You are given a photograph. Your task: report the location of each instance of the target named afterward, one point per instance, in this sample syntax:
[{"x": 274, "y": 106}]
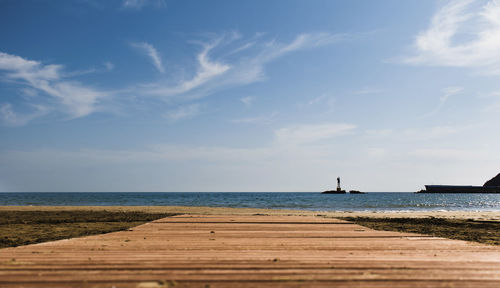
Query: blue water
[{"x": 300, "y": 201}]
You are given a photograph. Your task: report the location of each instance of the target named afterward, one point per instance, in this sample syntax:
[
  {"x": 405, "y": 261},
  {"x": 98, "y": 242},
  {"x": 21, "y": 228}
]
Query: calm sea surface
[{"x": 301, "y": 201}]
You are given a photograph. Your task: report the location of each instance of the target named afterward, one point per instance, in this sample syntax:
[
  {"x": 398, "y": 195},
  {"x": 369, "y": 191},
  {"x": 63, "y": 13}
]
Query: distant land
[
  {"x": 495, "y": 181},
  {"x": 491, "y": 186}
]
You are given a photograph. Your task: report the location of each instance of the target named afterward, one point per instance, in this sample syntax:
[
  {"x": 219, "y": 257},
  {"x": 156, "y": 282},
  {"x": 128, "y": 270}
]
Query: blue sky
[{"x": 248, "y": 95}]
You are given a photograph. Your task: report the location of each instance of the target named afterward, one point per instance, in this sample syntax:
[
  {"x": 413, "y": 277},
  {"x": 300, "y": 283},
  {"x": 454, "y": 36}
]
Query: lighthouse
[{"x": 336, "y": 191}]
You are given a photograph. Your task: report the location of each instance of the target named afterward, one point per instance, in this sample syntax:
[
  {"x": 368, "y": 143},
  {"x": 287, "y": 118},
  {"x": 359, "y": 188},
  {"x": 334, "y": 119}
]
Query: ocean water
[{"x": 301, "y": 201}]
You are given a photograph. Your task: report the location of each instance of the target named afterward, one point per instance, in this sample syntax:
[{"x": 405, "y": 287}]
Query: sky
[{"x": 262, "y": 96}]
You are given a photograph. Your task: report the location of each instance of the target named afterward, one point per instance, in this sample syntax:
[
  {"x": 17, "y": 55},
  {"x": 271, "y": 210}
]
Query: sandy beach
[
  {"x": 225, "y": 247},
  {"x": 23, "y": 225}
]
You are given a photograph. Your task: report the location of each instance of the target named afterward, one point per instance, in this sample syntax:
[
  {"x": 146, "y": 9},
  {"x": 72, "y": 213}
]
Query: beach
[
  {"x": 22, "y": 225},
  {"x": 231, "y": 247}
]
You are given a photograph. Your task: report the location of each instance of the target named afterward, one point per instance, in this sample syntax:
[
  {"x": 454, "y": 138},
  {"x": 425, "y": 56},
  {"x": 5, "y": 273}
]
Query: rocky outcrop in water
[{"x": 495, "y": 181}]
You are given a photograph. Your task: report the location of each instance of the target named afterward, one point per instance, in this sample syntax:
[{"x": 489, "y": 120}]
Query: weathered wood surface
[{"x": 251, "y": 251}]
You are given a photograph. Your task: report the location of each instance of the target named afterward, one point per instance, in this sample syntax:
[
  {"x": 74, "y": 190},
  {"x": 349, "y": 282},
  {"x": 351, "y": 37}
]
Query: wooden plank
[{"x": 250, "y": 251}]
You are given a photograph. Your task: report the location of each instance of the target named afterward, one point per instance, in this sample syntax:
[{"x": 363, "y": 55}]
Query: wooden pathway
[{"x": 251, "y": 251}]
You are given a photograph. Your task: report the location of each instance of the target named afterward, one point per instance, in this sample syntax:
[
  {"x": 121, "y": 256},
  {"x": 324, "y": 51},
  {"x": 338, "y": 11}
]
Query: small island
[
  {"x": 356, "y": 192},
  {"x": 491, "y": 186},
  {"x": 340, "y": 191}
]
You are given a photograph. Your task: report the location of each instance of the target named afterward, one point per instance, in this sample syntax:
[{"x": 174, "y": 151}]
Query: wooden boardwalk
[{"x": 251, "y": 251}]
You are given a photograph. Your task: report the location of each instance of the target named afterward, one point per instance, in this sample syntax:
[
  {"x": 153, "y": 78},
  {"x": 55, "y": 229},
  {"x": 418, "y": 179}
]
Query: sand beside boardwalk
[{"x": 484, "y": 215}]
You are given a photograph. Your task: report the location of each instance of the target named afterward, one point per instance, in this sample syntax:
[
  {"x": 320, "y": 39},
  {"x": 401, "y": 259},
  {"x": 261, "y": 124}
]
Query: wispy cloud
[
  {"x": 183, "y": 112},
  {"x": 216, "y": 73},
  {"x": 494, "y": 105},
  {"x": 207, "y": 70},
  {"x": 461, "y": 34},
  {"x": 242, "y": 48},
  {"x": 152, "y": 53},
  {"x": 436, "y": 132},
  {"x": 219, "y": 65},
  {"x": 29, "y": 92},
  {"x": 264, "y": 119},
  {"x": 11, "y": 118},
  {"x": 109, "y": 66},
  {"x": 103, "y": 68},
  {"x": 274, "y": 163},
  {"x": 247, "y": 100},
  {"x": 311, "y": 133},
  {"x": 367, "y": 91},
  {"x": 78, "y": 99},
  {"x": 326, "y": 103},
  {"x": 139, "y": 4},
  {"x": 308, "y": 165},
  {"x": 451, "y": 153},
  {"x": 448, "y": 92},
  {"x": 445, "y": 96},
  {"x": 379, "y": 133}
]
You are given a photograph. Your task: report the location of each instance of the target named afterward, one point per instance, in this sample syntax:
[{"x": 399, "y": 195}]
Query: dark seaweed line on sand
[{"x": 487, "y": 232}]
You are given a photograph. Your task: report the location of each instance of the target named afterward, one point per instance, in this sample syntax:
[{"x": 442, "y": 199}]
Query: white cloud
[
  {"x": 278, "y": 166},
  {"x": 266, "y": 119},
  {"x": 461, "y": 34},
  {"x": 78, "y": 99},
  {"x": 247, "y": 100},
  {"x": 214, "y": 74},
  {"x": 207, "y": 70},
  {"x": 450, "y": 91},
  {"x": 29, "y": 92},
  {"x": 11, "y": 118},
  {"x": 452, "y": 154},
  {"x": 494, "y": 105},
  {"x": 309, "y": 165},
  {"x": 445, "y": 96},
  {"x": 310, "y": 40},
  {"x": 304, "y": 134},
  {"x": 109, "y": 66},
  {"x": 183, "y": 112},
  {"x": 436, "y": 132},
  {"x": 325, "y": 102},
  {"x": 249, "y": 120},
  {"x": 316, "y": 100},
  {"x": 367, "y": 91},
  {"x": 152, "y": 53},
  {"x": 103, "y": 68},
  {"x": 378, "y": 153},
  {"x": 139, "y": 4},
  {"x": 200, "y": 168},
  {"x": 134, "y": 3},
  {"x": 379, "y": 133},
  {"x": 242, "y": 48},
  {"x": 447, "y": 93},
  {"x": 19, "y": 68}
]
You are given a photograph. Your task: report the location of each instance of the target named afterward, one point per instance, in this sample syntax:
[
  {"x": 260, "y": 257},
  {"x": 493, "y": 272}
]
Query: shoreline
[{"x": 203, "y": 210}]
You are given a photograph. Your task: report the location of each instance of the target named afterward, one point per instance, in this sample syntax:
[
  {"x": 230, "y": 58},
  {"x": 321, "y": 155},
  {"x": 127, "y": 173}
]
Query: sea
[{"x": 370, "y": 202}]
